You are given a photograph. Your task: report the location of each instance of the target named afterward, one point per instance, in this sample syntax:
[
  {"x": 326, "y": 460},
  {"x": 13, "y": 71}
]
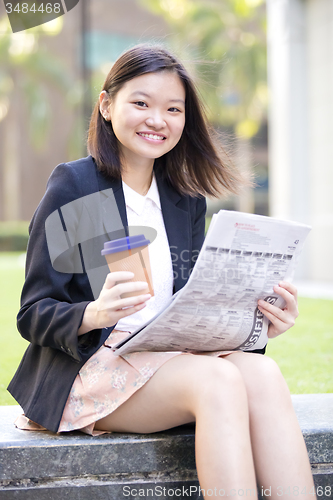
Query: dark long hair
[{"x": 197, "y": 165}]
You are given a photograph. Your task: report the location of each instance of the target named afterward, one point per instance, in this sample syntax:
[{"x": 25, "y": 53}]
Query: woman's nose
[{"x": 156, "y": 121}]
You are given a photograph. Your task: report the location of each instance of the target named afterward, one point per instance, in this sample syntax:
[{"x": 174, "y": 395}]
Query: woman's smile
[{"x": 150, "y": 136}]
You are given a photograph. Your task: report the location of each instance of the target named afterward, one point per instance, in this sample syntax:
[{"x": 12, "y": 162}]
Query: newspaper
[{"x": 242, "y": 258}]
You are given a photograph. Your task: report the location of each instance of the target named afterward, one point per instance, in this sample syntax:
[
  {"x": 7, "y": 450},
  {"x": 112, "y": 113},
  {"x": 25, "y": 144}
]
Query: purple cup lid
[{"x": 126, "y": 243}]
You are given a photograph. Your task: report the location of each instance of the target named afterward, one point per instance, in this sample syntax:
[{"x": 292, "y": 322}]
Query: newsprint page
[{"x": 242, "y": 258}]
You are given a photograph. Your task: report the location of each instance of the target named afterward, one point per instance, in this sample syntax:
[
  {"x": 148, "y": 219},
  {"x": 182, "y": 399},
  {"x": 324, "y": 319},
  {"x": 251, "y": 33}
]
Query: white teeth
[{"x": 152, "y": 136}]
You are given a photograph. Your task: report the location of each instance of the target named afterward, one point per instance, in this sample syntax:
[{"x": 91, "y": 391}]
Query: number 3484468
[{"x": 35, "y": 8}]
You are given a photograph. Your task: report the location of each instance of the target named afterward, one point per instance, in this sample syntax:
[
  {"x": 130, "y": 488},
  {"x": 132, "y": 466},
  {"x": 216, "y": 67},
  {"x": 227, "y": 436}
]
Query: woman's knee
[
  {"x": 216, "y": 381},
  {"x": 267, "y": 373},
  {"x": 264, "y": 380}
]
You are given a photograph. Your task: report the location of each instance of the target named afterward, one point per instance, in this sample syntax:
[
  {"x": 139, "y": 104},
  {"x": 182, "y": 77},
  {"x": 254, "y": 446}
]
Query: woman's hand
[
  {"x": 281, "y": 319},
  {"x": 109, "y": 308}
]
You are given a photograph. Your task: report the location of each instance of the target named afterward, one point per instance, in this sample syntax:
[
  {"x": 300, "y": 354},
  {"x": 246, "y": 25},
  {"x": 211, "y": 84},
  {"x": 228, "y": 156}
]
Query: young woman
[{"x": 152, "y": 160}]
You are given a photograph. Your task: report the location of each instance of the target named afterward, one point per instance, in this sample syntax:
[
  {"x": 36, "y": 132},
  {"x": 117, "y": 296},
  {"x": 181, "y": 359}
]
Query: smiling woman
[{"x": 152, "y": 162}]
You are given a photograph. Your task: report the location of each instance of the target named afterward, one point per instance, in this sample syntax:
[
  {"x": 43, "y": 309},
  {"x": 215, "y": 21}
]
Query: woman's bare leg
[
  {"x": 211, "y": 392},
  {"x": 280, "y": 456}
]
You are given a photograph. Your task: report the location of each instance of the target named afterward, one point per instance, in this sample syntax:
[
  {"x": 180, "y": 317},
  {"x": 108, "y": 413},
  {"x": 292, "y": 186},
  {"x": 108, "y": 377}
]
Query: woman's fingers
[
  {"x": 113, "y": 278},
  {"x": 129, "y": 302},
  {"x": 112, "y": 283},
  {"x": 269, "y": 309},
  {"x": 132, "y": 286},
  {"x": 110, "y": 306},
  {"x": 125, "y": 307},
  {"x": 289, "y": 293},
  {"x": 281, "y": 319},
  {"x": 290, "y": 297},
  {"x": 285, "y": 287},
  {"x": 109, "y": 310},
  {"x": 122, "y": 313},
  {"x": 289, "y": 286}
]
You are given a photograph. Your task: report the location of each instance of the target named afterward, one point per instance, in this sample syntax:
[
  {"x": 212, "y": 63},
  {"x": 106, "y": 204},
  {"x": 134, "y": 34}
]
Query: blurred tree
[
  {"x": 27, "y": 73},
  {"x": 226, "y": 42}
]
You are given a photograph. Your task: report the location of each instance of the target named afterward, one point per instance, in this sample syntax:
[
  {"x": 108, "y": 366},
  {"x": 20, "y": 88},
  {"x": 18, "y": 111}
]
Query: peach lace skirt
[{"x": 104, "y": 383}]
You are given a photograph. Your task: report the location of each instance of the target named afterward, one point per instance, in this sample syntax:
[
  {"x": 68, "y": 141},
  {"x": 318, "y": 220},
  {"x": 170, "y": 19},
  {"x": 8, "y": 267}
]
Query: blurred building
[
  {"x": 300, "y": 58},
  {"x": 113, "y": 26}
]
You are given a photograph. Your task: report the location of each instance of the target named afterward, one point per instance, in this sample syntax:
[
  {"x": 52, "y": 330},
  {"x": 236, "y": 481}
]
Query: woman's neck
[{"x": 139, "y": 179}]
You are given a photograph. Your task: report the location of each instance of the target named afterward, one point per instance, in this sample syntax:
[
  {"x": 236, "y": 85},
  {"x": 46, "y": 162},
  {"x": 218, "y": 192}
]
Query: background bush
[{"x": 13, "y": 236}]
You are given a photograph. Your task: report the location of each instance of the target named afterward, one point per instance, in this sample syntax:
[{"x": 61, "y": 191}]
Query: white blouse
[{"x": 146, "y": 211}]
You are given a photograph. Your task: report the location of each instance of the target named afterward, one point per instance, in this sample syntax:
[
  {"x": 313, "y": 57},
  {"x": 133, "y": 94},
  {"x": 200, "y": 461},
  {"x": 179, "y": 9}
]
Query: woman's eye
[
  {"x": 174, "y": 110},
  {"x": 141, "y": 104}
]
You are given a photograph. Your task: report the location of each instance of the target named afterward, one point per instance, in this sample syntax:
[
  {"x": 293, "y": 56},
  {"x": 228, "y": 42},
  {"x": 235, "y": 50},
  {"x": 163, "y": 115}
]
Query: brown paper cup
[{"x": 135, "y": 260}]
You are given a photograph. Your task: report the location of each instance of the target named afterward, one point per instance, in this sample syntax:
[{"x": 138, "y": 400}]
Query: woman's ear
[{"x": 104, "y": 105}]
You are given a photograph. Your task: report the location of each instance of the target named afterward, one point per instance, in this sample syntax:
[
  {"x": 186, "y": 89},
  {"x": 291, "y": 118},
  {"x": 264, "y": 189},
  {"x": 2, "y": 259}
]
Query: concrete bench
[{"x": 43, "y": 465}]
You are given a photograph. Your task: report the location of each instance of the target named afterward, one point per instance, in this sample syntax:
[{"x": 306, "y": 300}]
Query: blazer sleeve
[{"x": 52, "y": 302}]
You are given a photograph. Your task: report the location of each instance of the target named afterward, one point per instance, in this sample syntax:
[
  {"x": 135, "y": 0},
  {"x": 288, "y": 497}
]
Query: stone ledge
[
  {"x": 44, "y": 465},
  {"x": 23, "y": 453}
]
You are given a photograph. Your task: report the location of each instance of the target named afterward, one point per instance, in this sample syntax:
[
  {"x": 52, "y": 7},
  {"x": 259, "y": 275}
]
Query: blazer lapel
[
  {"x": 114, "y": 217},
  {"x": 177, "y": 226}
]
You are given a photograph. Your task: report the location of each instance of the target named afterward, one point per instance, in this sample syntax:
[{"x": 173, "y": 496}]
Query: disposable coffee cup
[{"x": 130, "y": 254}]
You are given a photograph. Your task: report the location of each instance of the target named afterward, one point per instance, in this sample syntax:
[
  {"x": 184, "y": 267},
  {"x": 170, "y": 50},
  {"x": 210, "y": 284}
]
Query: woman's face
[{"x": 147, "y": 115}]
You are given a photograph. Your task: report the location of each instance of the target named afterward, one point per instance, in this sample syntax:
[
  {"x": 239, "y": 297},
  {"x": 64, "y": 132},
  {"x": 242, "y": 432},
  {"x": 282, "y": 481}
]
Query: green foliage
[
  {"x": 228, "y": 41},
  {"x": 304, "y": 353},
  {"x": 13, "y": 236}
]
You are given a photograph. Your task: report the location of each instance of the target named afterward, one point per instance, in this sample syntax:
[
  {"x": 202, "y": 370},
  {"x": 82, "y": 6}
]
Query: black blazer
[{"x": 53, "y": 302}]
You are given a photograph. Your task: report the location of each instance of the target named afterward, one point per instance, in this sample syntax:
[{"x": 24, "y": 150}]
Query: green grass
[
  {"x": 304, "y": 353},
  {"x": 12, "y": 344}
]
